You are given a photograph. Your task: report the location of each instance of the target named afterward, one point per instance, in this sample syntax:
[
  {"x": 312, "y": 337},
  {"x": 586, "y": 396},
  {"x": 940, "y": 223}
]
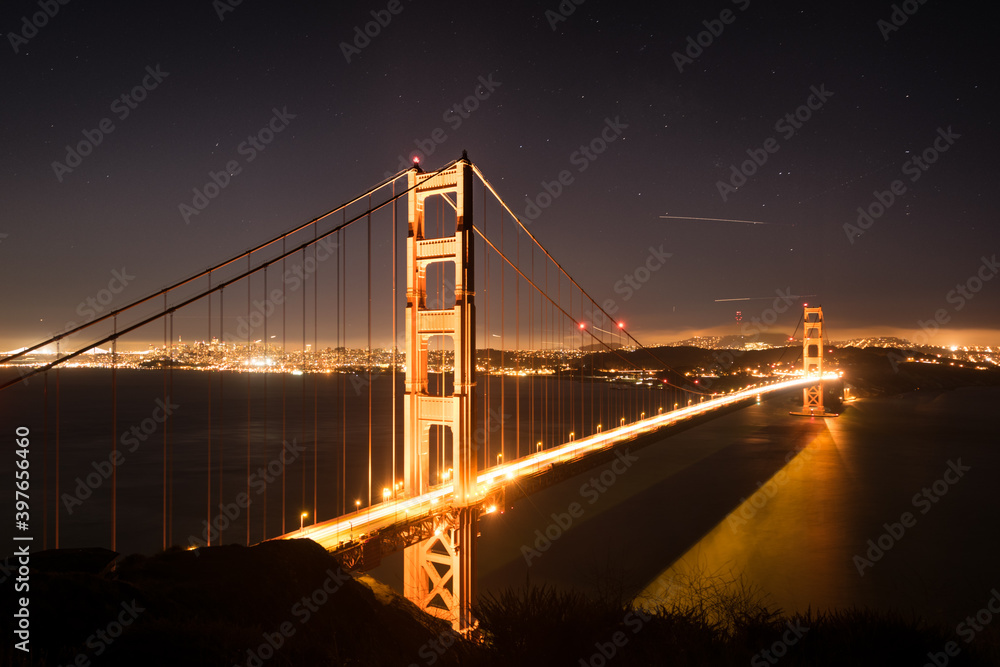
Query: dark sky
[{"x": 885, "y": 102}]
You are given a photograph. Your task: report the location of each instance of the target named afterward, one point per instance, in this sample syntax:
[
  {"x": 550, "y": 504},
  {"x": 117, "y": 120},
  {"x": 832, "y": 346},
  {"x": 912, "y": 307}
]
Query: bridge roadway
[{"x": 406, "y": 519}]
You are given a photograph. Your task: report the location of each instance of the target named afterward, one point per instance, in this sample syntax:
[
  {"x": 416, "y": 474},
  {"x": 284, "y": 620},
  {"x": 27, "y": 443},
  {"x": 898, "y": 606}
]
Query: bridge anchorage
[{"x": 812, "y": 364}]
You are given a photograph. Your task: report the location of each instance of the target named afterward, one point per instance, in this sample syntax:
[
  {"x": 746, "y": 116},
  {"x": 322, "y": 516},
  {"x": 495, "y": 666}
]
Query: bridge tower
[
  {"x": 812, "y": 363},
  {"x": 439, "y": 573}
]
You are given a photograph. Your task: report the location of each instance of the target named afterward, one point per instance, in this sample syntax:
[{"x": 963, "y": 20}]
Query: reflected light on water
[{"x": 787, "y": 538}]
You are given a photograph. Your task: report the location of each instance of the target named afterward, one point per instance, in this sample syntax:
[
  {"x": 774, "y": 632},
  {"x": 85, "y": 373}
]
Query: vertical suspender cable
[
  {"x": 267, "y": 368},
  {"x": 368, "y": 227},
  {"x": 208, "y": 469},
  {"x": 315, "y": 509},
  {"x": 284, "y": 377},
  {"x": 249, "y": 352},
  {"x": 517, "y": 347},
  {"x": 58, "y": 386},
  {"x": 503, "y": 308},
  {"x": 166, "y": 373},
  {"x": 45, "y": 467},
  {"x": 114, "y": 439},
  {"x": 392, "y": 392},
  {"x": 342, "y": 342},
  {"x": 222, "y": 411},
  {"x": 302, "y": 410},
  {"x": 487, "y": 339}
]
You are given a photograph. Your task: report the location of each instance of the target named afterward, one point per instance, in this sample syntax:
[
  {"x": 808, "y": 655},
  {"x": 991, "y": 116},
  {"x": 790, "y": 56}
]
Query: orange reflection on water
[{"x": 787, "y": 539}]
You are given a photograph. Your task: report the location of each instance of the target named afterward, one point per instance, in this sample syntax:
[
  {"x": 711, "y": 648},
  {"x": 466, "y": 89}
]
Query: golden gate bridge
[{"x": 489, "y": 391}]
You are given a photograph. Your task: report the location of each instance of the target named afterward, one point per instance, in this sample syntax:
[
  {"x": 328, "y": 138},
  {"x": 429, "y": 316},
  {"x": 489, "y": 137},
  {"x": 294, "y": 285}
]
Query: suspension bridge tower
[
  {"x": 812, "y": 363},
  {"x": 439, "y": 573}
]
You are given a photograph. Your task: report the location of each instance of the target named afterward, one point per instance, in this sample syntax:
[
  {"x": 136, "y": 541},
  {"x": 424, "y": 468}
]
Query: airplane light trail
[
  {"x": 747, "y": 222},
  {"x": 756, "y": 298}
]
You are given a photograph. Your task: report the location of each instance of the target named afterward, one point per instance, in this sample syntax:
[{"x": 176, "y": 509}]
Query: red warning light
[
  {"x": 416, "y": 159},
  {"x": 621, "y": 325},
  {"x": 582, "y": 325}
]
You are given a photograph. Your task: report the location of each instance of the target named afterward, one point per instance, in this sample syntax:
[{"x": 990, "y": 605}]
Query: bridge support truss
[
  {"x": 813, "y": 341},
  {"x": 440, "y": 572}
]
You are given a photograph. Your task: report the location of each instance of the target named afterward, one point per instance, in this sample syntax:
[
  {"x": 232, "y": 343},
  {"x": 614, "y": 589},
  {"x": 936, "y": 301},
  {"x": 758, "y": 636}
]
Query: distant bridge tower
[
  {"x": 812, "y": 363},
  {"x": 439, "y": 573}
]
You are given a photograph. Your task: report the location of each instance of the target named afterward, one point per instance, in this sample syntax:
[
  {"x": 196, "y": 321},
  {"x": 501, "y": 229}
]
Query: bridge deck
[{"x": 399, "y": 516}]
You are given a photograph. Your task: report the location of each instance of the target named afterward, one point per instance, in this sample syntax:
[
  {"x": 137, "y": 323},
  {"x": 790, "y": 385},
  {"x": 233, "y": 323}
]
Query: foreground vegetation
[
  {"x": 288, "y": 603},
  {"x": 711, "y": 622}
]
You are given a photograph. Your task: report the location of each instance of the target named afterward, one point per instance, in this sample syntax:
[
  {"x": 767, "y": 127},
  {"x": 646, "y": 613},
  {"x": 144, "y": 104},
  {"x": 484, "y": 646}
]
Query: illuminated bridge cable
[
  {"x": 208, "y": 467},
  {"x": 222, "y": 409},
  {"x": 302, "y": 402},
  {"x": 368, "y": 229},
  {"x": 284, "y": 382},
  {"x": 341, "y": 344},
  {"x": 218, "y": 288},
  {"x": 166, "y": 371},
  {"x": 45, "y": 467},
  {"x": 114, "y": 439},
  {"x": 544, "y": 295},
  {"x": 58, "y": 422},
  {"x": 562, "y": 270},
  {"x": 167, "y": 290},
  {"x": 315, "y": 374},
  {"x": 392, "y": 393},
  {"x": 503, "y": 311},
  {"x": 486, "y": 344},
  {"x": 267, "y": 352},
  {"x": 248, "y": 513}
]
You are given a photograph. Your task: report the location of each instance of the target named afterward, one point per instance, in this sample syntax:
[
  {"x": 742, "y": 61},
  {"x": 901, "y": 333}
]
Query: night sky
[{"x": 680, "y": 115}]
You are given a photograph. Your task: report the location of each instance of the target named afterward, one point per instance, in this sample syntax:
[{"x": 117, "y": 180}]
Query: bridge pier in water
[
  {"x": 440, "y": 572},
  {"x": 812, "y": 363}
]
